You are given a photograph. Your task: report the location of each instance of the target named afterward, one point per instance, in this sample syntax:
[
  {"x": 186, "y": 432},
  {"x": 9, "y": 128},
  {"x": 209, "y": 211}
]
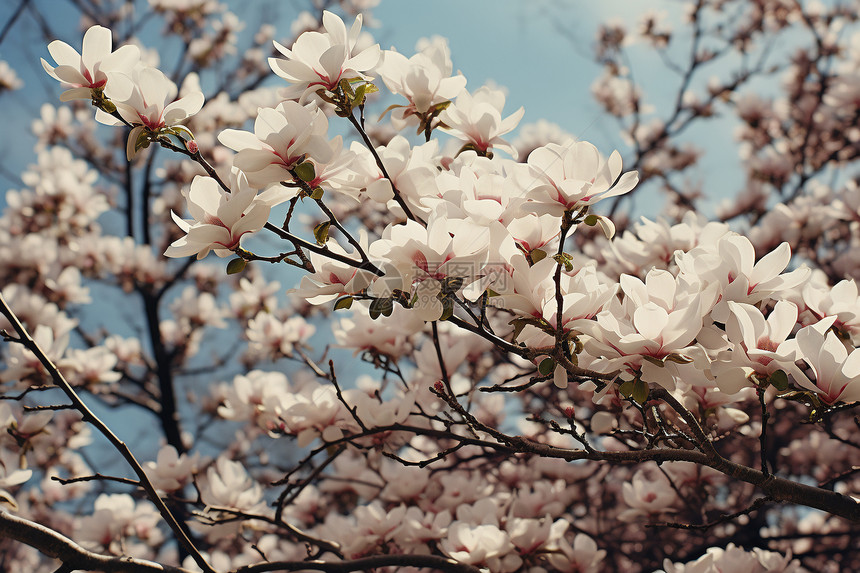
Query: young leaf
[
  {"x": 236, "y": 265},
  {"x": 321, "y": 232},
  {"x": 546, "y": 366}
]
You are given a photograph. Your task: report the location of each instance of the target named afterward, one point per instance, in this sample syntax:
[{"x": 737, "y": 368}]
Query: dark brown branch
[
  {"x": 121, "y": 447},
  {"x": 73, "y": 556}
]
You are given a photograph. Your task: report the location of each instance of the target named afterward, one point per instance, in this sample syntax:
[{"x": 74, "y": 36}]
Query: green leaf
[
  {"x": 380, "y": 307},
  {"x": 546, "y": 366},
  {"x": 590, "y": 220},
  {"x": 626, "y": 388},
  {"x": 537, "y": 255},
  {"x": 447, "y": 309},
  {"x": 344, "y": 302},
  {"x": 305, "y": 171},
  {"x": 640, "y": 391},
  {"x": 779, "y": 379},
  {"x": 236, "y": 265},
  {"x": 321, "y": 232},
  {"x": 564, "y": 259},
  {"x": 317, "y": 193}
]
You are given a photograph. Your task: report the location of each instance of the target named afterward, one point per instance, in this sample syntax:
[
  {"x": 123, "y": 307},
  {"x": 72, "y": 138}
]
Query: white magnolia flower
[
  {"x": 476, "y": 119},
  {"x": 229, "y": 485},
  {"x": 283, "y": 138},
  {"x": 837, "y": 372},
  {"x": 96, "y": 68},
  {"x": 171, "y": 471},
  {"x": 319, "y": 60},
  {"x": 759, "y": 345},
  {"x": 152, "y": 108},
  {"x": 731, "y": 264},
  {"x": 424, "y": 79},
  {"x": 569, "y": 177},
  {"x": 219, "y": 219}
]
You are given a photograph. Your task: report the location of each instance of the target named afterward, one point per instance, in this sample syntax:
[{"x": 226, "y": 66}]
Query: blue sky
[{"x": 539, "y": 51}]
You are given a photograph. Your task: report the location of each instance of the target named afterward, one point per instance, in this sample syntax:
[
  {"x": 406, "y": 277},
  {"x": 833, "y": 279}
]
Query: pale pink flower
[
  {"x": 219, "y": 219},
  {"x": 647, "y": 497},
  {"x": 319, "y": 60},
  {"x": 569, "y": 177},
  {"x": 836, "y": 371},
  {"x": 476, "y": 119},
  {"x": 171, "y": 472},
  {"x": 425, "y": 80},
  {"x": 229, "y": 485},
  {"x": 758, "y": 345},
  {"x": 152, "y": 108},
  {"x": 477, "y": 544},
  {"x": 283, "y": 138},
  {"x": 96, "y": 68}
]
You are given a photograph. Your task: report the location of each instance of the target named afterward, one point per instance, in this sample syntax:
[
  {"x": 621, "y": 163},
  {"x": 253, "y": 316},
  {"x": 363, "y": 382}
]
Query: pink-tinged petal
[
  {"x": 634, "y": 289},
  {"x": 238, "y": 140},
  {"x": 282, "y": 49},
  {"x": 252, "y": 160},
  {"x": 122, "y": 60},
  {"x": 268, "y": 126},
  {"x": 733, "y": 380},
  {"x": 267, "y": 176},
  {"x": 742, "y": 252},
  {"x": 771, "y": 264},
  {"x": 650, "y": 320},
  {"x": 76, "y": 93},
  {"x": 49, "y": 69},
  {"x": 254, "y": 220},
  {"x": 584, "y": 161},
  {"x": 70, "y": 75},
  {"x": 510, "y": 122},
  {"x": 331, "y": 62},
  {"x": 843, "y": 291},
  {"x": 627, "y": 182},
  {"x": 682, "y": 327},
  {"x": 745, "y": 324},
  {"x": 782, "y": 320},
  {"x": 64, "y": 54},
  {"x": 836, "y": 352},
  {"x": 369, "y": 58},
  {"x": 559, "y": 377},
  {"x": 231, "y": 210},
  {"x": 321, "y": 150},
  {"x": 105, "y": 118},
  {"x": 183, "y": 108},
  {"x": 335, "y": 27},
  {"x": 661, "y": 288},
  {"x": 292, "y": 70},
  {"x": 181, "y": 248},
  {"x": 851, "y": 365},
  {"x": 784, "y": 281},
  {"x": 204, "y": 197},
  {"x": 154, "y": 86},
  {"x": 180, "y": 222},
  {"x": 119, "y": 86},
  {"x": 355, "y": 30},
  {"x": 96, "y": 45}
]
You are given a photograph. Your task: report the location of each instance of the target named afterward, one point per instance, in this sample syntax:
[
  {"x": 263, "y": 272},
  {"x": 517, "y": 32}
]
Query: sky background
[{"x": 540, "y": 52}]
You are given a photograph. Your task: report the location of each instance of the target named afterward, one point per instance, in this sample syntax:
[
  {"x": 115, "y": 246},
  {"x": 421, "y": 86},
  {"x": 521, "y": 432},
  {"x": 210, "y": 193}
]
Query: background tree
[{"x": 527, "y": 393}]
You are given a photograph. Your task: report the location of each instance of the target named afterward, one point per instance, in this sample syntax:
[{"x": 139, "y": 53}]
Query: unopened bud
[
  {"x": 439, "y": 386},
  {"x": 569, "y": 412},
  {"x": 192, "y": 146}
]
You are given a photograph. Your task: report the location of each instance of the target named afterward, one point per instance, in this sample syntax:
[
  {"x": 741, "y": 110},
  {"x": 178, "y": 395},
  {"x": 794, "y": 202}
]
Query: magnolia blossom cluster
[{"x": 518, "y": 344}]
